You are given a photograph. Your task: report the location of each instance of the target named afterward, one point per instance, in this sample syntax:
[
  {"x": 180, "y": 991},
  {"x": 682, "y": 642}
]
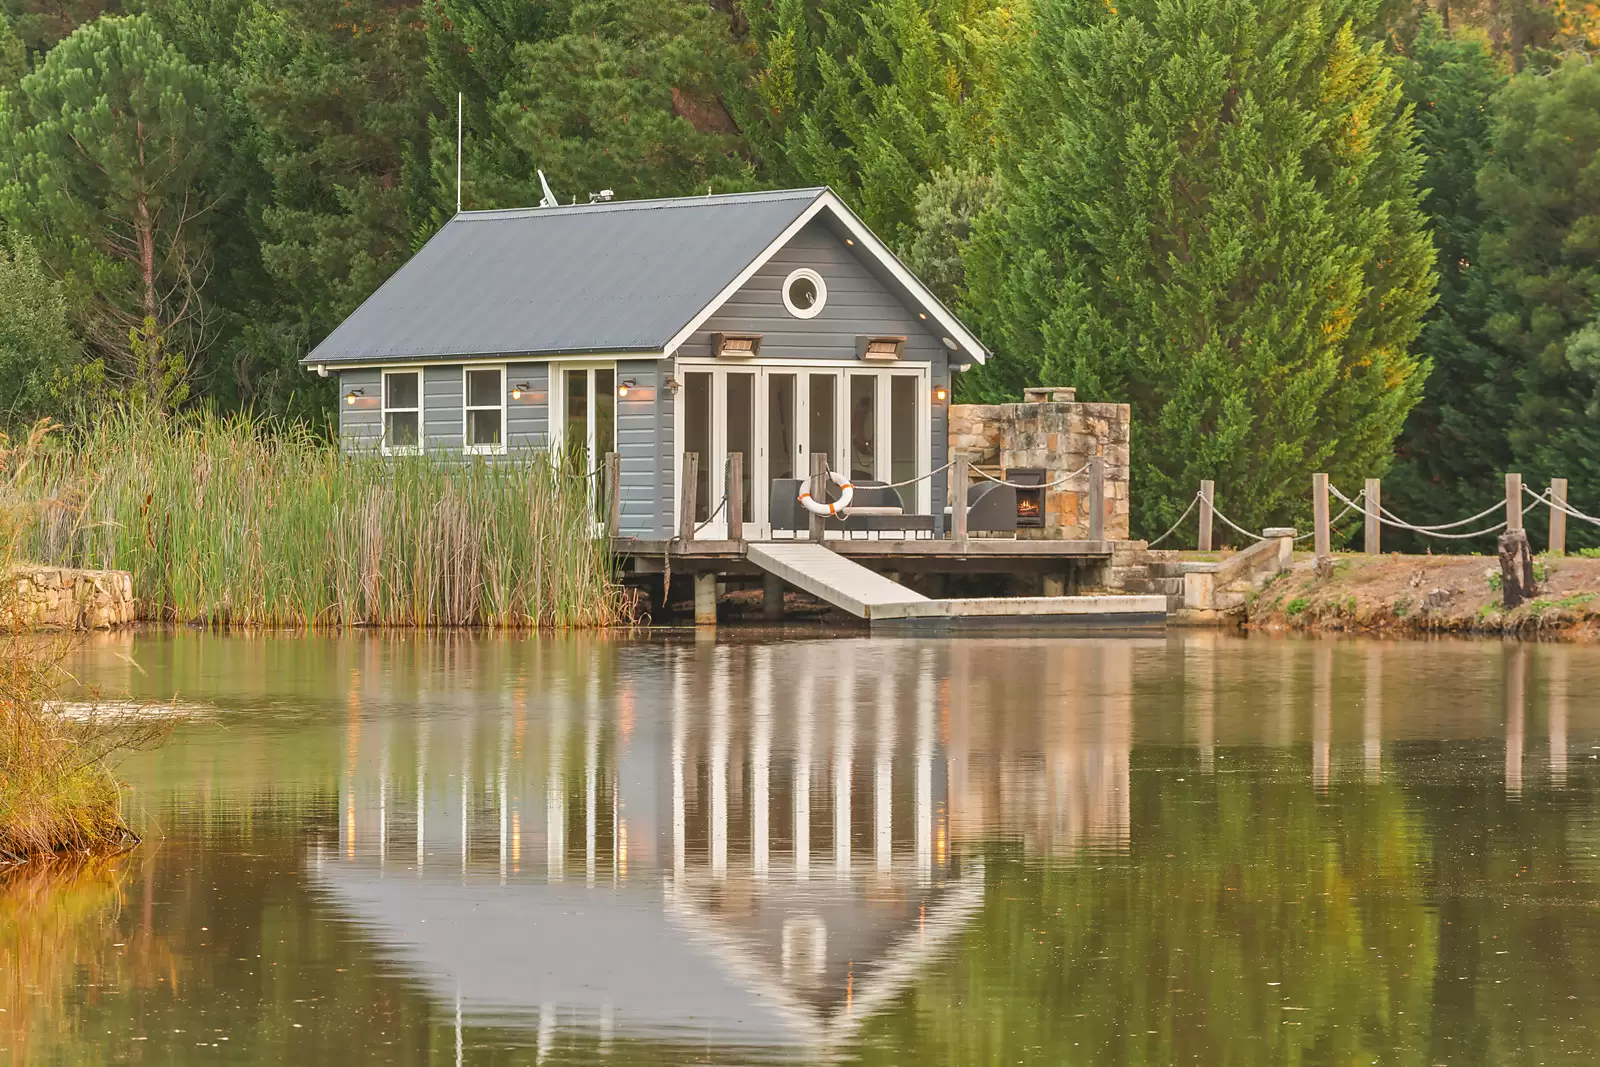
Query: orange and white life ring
[{"x": 817, "y": 507}]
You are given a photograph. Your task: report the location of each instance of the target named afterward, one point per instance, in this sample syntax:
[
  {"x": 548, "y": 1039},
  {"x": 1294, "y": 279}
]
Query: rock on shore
[{"x": 63, "y": 598}]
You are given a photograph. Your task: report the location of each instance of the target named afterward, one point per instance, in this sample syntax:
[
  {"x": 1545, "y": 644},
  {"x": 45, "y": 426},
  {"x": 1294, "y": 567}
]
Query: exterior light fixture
[
  {"x": 350, "y": 397},
  {"x": 623, "y": 387},
  {"x": 940, "y": 394},
  {"x": 851, "y": 241},
  {"x": 672, "y": 383},
  {"x": 518, "y": 389},
  {"x": 923, "y": 315}
]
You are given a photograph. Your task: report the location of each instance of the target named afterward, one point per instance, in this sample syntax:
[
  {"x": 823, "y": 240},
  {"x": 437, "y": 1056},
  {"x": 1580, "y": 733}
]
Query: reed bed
[{"x": 230, "y": 521}]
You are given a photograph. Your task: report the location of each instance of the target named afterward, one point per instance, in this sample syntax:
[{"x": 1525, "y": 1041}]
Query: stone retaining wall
[{"x": 61, "y": 598}]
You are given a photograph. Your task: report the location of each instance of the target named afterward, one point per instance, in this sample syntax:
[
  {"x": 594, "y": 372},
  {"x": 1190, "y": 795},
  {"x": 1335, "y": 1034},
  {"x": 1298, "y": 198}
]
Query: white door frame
[
  {"x": 837, "y": 449},
  {"x": 557, "y": 433}
]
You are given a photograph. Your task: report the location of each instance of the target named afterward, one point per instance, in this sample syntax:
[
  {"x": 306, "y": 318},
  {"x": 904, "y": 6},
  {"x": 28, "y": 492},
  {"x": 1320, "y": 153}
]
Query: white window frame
[
  {"x": 384, "y": 410},
  {"x": 822, "y": 293},
  {"x": 467, "y": 408}
]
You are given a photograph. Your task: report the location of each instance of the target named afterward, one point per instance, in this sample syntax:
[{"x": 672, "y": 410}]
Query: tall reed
[{"x": 230, "y": 521}]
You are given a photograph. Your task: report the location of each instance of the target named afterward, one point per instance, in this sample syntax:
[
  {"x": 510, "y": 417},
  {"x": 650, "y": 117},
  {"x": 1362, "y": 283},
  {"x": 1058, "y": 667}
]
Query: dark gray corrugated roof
[{"x": 612, "y": 277}]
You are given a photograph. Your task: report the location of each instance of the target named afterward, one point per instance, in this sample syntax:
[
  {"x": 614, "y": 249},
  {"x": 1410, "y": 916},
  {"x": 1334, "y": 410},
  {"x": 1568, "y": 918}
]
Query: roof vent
[
  {"x": 604, "y": 196},
  {"x": 880, "y": 348},
  {"x": 736, "y": 345}
]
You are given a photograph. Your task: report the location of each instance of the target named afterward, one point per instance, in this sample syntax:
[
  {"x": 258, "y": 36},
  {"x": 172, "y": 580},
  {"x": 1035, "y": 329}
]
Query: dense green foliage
[
  {"x": 1219, "y": 213},
  {"x": 39, "y": 357}
]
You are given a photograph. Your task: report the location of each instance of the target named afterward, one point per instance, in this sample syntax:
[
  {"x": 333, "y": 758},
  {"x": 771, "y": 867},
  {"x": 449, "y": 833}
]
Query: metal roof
[{"x": 614, "y": 277}]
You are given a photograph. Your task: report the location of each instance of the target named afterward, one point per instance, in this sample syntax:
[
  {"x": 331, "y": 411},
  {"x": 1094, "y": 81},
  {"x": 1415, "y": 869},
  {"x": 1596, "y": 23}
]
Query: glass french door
[
  {"x": 585, "y": 421},
  {"x": 870, "y": 422}
]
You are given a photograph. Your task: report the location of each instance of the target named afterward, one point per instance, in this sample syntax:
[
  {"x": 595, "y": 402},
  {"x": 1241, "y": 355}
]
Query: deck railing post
[
  {"x": 687, "y": 495},
  {"x": 1513, "y": 503},
  {"x": 1097, "y": 498},
  {"x": 1208, "y": 497},
  {"x": 958, "y": 498},
  {"x": 1373, "y": 528},
  {"x": 614, "y": 493},
  {"x": 819, "y": 492},
  {"x": 1558, "y": 517},
  {"x": 736, "y": 496},
  {"x": 1321, "y": 539}
]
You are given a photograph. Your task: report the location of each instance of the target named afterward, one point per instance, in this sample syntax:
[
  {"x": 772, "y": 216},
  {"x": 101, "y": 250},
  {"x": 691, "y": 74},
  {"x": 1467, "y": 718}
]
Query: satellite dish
[{"x": 549, "y": 198}]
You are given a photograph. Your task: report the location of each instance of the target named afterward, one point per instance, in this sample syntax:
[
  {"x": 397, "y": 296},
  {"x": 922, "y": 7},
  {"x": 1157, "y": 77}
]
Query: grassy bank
[
  {"x": 231, "y": 522},
  {"x": 1431, "y": 594}
]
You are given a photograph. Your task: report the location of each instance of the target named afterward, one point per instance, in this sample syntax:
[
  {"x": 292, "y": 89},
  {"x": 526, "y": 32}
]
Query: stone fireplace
[{"x": 1047, "y": 436}]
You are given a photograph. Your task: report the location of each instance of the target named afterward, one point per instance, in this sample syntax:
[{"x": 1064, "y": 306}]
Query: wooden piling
[
  {"x": 735, "y": 492},
  {"x": 705, "y": 599},
  {"x": 1208, "y": 497},
  {"x": 1374, "y": 525},
  {"x": 1097, "y": 498},
  {"x": 771, "y": 597},
  {"x": 819, "y": 491},
  {"x": 1558, "y": 517},
  {"x": 1513, "y": 503},
  {"x": 958, "y": 498},
  {"x": 614, "y": 493},
  {"x": 1322, "y": 541},
  {"x": 687, "y": 495}
]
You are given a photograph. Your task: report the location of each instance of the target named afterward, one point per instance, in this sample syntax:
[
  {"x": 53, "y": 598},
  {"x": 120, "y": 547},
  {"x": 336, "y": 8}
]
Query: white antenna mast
[
  {"x": 459, "y": 97},
  {"x": 549, "y": 198}
]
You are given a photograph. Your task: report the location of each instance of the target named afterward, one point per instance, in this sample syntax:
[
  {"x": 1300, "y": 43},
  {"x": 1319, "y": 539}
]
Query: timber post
[
  {"x": 771, "y": 597},
  {"x": 705, "y": 598},
  {"x": 1208, "y": 496},
  {"x": 1513, "y": 503},
  {"x": 1558, "y": 516},
  {"x": 1373, "y": 528},
  {"x": 1097, "y": 498},
  {"x": 958, "y": 499},
  {"x": 613, "y": 493},
  {"x": 1516, "y": 568},
  {"x": 735, "y": 493},
  {"x": 1322, "y": 542},
  {"x": 686, "y": 501},
  {"x": 819, "y": 492}
]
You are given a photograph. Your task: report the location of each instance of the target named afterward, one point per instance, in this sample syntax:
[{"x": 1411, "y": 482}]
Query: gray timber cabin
[{"x": 771, "y": 324}]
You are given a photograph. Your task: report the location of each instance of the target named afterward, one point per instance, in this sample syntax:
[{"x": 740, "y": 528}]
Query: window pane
[
  {"x": 903, "y": 431},
  {"x": 821, "y": 420},
  {"x": 483, "y": 427},
  {"x": 863, "y": 427},
  {"x": 781, "y": 447},
  {"x": 483, "y": 389},
  {"x": 400, "y": 390},
  {"x": 741, "y": 431},
  {"x": 577, "y": 433},
  {"x": 400, "y": 429},
  {"x": 605, "y": 413},
  {"x": 697, "y": 438}
]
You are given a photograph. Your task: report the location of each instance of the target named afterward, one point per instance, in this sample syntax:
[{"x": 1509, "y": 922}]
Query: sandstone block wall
[
  {"x": 1054, "y": 432},
  {"x": 61, "y": 598}
]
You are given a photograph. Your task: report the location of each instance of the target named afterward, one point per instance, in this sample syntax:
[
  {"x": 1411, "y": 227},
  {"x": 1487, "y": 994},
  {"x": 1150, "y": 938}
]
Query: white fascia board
[
  {"x": 494, "y": 361},
  {"x": 869, "y": 242}
]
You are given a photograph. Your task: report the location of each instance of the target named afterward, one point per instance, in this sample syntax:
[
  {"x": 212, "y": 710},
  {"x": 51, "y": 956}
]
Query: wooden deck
[{"x": 975, "y": 556}]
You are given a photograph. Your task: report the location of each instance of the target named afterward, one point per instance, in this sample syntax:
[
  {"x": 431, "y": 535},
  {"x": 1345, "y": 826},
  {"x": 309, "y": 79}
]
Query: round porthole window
[{"x": 804, "y": 293}]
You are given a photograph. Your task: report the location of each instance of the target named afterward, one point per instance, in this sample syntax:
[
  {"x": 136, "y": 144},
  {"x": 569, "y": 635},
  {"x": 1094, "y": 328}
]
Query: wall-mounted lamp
[
  {"x": 923, "y": 315},
  {"x": 851, "y": 241},
  {"x": 350, "y": 397},
  {"x": 623, "y": 387},
  {"x": 940, "y": 394},
  {"x": 518, "y": 389},
  {"x": 672, "y": 383}
]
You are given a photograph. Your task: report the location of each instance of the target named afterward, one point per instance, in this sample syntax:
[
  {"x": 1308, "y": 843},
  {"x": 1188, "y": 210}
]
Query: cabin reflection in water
[{"x": 755, "y": 845}]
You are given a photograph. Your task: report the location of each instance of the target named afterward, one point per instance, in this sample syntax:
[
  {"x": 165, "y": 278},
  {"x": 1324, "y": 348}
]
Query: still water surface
[{"x": 421, "y": 850}]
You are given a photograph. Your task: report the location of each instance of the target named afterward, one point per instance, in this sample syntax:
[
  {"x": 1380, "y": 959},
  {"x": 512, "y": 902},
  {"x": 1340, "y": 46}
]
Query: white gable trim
[{"x": 869, "y": 242}]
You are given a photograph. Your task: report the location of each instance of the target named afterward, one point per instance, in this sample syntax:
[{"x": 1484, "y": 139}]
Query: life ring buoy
[{"x": 817, "y": 507}]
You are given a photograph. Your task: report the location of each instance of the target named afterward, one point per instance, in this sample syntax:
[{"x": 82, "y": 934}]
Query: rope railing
[
  {"x": 1058, "y": 483},
  {"x": 1174, "y": 526},
  {"x": 1435, "y": 531},
  {"x": 1560, "y": 505}
]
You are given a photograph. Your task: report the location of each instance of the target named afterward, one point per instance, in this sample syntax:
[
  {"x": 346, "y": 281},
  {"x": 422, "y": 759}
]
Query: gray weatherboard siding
[
  {"x": 361, "y": 427},
  {"x": 528, "y": 419}
]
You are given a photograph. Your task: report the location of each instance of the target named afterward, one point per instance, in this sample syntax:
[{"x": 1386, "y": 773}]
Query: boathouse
[{"x": 772, "y": 325}]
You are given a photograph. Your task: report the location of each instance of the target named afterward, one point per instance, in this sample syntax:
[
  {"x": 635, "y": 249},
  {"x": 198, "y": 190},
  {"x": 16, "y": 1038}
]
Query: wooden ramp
[{"x": 888, "y": 605}]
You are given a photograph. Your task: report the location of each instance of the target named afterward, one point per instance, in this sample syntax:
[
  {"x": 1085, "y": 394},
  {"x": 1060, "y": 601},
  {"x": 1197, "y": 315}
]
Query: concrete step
[
  {"x": 1178, "y": 568},
  {"x": 1163, "y": 586}
]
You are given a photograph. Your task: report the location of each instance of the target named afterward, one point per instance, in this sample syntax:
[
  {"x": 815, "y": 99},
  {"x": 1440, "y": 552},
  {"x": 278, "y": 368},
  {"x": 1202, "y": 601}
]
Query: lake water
[{"x": 1197, "y": 849}]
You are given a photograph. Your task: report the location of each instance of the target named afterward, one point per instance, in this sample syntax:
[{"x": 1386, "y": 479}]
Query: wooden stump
[{"x": 1516, "y": 569}]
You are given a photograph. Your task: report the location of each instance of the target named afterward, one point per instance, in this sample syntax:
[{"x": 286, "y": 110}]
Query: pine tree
[
  {"x": 104, "y": 156},
  {"x": 1211, "y": 212}
]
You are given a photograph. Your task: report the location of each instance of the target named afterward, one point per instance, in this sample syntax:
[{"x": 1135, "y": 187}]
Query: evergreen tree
[
  {"x": 104, "y": 157},
  {"x": 41, "y": 361},
  {"x": 1455, "y": 447},
  {"x": 1542, "y": 249},
  {"x": 1211, "y": 212}
]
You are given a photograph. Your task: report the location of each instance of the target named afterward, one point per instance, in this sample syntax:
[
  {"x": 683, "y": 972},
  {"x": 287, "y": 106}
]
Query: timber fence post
[
  {"x": 614, "y": 493},
  {"x": 687, "y": 496},
  {"x": 819, "y": 492},
  {"x": 1097, "y": 498},
  {"x": 1558, "y": 517},
  {"x": 1208, "y": 497},
  {"x": 1374, "y": 528},
  {"x": 735, "y": 492},
  {"x": 1322, "y": 541},
  {"x": 1513, "y": 503},
  {"x": 958, "y": 499}
]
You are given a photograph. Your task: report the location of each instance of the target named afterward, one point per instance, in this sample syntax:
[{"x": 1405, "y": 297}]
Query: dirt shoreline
[{"x": 1419, "y": 595}]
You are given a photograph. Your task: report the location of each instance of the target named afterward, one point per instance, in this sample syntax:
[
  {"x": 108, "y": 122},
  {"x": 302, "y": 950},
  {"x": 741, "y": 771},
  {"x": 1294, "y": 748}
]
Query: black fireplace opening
[{"x": 1030, "y": 500}]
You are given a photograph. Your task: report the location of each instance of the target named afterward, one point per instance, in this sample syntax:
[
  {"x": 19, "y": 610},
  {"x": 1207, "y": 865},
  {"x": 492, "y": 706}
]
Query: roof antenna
[
  {"x": 549, "y": 198},
  {"x": 459, "y": 98}
]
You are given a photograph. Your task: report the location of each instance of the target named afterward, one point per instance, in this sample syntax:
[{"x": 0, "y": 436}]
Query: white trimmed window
[
  {"x": 402, "y": 412},
  {"x": 486, "y": 410},
  {"x": 804, "y": 293}
]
